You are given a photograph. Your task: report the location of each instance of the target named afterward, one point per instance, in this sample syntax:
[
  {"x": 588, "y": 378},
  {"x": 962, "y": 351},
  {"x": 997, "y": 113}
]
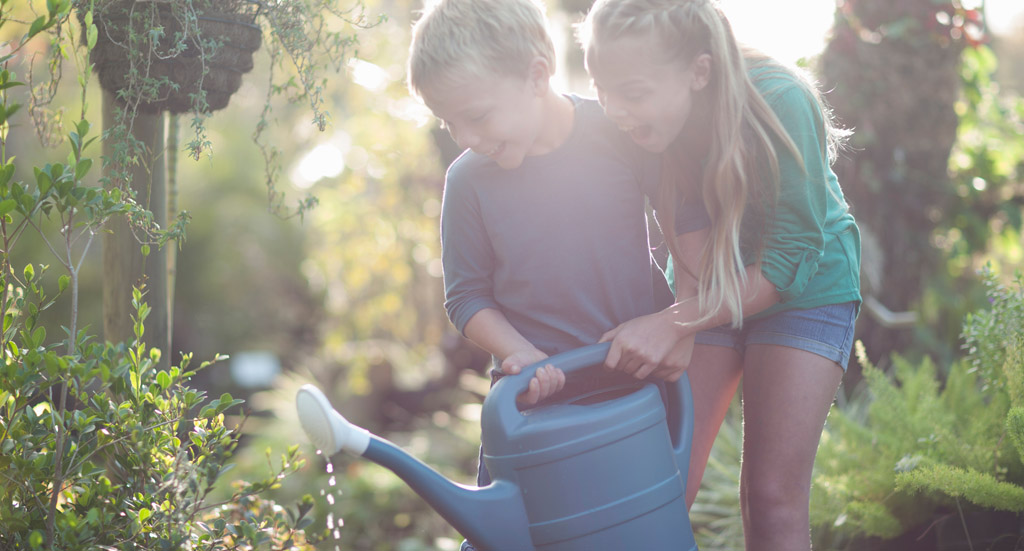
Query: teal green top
[{"x": 811, "y": 243}]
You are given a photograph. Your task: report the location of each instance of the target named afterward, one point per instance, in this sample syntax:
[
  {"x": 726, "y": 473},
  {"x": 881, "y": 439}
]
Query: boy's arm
[{"x": 490, "y": 330}]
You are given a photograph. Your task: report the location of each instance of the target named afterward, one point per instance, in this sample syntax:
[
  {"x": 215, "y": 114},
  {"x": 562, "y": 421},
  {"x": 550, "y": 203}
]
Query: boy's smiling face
[
  {"x": 648, "y": 96},
  {"x": 500, "y": 117}
]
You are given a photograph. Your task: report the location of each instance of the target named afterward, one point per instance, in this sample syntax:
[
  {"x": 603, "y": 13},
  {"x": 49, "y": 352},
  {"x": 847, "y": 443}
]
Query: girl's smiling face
[{"x": 648, "y": 96}]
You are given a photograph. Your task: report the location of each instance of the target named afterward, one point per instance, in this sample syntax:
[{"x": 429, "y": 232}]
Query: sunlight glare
[
  {"x": 789, "y": 34},
  {"x": 369, "y": 75},
  {"x": 326, "y": 160}
]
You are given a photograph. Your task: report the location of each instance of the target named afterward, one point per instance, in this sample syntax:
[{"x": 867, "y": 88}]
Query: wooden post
[{"x": 123, "y": 263}]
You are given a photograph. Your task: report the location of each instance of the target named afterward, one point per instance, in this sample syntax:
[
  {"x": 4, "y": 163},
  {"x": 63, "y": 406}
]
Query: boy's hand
[
  {"x": 547, "y": 380},
  {"x": 516, "y": 361}
]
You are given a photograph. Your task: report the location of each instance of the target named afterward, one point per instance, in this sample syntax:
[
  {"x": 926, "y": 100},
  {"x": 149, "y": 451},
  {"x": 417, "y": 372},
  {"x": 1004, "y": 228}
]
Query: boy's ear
[
  {"x": 701, "y": 71},
  {"x": 539, "y": 75}
]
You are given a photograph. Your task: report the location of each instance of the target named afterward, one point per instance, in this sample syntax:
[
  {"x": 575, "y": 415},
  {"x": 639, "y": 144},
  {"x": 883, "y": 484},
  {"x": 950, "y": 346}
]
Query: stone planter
[{"x": 205, "y": 45}]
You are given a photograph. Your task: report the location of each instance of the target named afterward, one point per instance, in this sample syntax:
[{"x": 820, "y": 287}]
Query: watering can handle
[
  {"x": 501, "y": 401},
  {"x": 500, "y": 406},
  {"x": 568, "y": 362}
]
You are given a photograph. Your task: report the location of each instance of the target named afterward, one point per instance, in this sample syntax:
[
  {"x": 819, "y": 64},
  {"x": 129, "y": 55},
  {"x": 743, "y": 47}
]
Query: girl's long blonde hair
[{"x": 741, "y": 168}]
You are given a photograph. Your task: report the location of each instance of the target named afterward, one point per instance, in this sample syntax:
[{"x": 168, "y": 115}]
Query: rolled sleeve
[
  {"x": 466, "y": 254},
  {"x": 795, "y": 238},
  {"x": 790, "y": 270}
]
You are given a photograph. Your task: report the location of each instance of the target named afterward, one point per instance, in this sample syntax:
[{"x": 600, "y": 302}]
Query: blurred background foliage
[{"x": 350, "y": 296}]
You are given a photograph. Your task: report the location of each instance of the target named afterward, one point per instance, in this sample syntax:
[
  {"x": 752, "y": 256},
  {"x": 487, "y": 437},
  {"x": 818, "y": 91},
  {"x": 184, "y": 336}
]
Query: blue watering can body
[{"x": 605, "y": 471}]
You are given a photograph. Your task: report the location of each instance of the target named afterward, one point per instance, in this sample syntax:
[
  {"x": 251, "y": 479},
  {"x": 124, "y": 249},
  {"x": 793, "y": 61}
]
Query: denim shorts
[{"x": 826, "y": 331}]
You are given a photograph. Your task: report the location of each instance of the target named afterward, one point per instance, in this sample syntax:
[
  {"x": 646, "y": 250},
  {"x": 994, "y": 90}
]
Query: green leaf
[
  {"x": 30, "y": 271},
  {"x": 163, "y": 379},
  {"x": 37, "y": 26},
  {"x": 10, "y": 110},
  {"x": 91, "y": 33},
  {"x": 82, "y": 168},
  {"x": 82, "y": 127},
  {"x": 62, "y": 282},
  {"x": 35, "y": 539},
  {"x": 7, "y": 205},
  {"x": 39, "y": 336},
  {"x": 6, "y": 171},
  {"x": 44, "y": 181},
  {"x": 5, "y": 84},
  {"x": 145, "y": 250}
]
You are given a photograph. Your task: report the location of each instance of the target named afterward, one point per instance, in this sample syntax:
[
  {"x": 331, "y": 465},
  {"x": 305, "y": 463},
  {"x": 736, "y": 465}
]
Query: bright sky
[{"x": 799, "y": 30}]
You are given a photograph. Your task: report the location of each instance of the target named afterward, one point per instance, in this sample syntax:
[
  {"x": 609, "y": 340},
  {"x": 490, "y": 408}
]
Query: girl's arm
[{"x": 661, "y": 343}]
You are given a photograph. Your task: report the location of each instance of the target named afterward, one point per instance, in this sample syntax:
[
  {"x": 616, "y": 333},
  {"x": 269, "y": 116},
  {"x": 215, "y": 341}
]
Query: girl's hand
[
  {"x": 677, "y": 361},
  {"x": 640, "y": 346},
  {"x": 546, "y": 381}
]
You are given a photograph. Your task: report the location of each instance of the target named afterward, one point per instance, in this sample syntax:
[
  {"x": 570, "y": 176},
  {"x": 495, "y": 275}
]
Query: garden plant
[
  {"x": 104, "y": 447},
  {"x": 932, "y": 447}
]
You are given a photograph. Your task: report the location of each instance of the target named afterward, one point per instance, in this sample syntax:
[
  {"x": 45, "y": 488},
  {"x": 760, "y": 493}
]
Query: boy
[
  {"x": 543, "y": 225},
  {"x": 543, "y": 229}
]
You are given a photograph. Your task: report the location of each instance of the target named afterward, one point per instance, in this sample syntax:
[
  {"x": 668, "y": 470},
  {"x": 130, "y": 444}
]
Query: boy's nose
[{"x": 465, "y": 140}]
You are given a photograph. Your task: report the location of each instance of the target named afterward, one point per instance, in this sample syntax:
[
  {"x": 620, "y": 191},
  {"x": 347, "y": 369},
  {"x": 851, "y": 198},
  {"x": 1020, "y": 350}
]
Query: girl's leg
[
  {"x": 787, "y": 394},
  {"x": 714, "y": 375}
]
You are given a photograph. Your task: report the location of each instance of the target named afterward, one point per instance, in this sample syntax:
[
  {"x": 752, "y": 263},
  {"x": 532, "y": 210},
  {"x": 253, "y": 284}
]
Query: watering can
[{"x": 605, "y": 471}]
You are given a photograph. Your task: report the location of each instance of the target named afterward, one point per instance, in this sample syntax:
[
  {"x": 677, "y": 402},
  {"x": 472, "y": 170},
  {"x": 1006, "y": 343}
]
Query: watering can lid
[{"x": 572, "y": 425}]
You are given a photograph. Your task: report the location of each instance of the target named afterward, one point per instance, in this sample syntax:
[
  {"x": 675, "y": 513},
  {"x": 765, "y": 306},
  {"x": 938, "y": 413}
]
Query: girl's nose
[{"x": 612, "y": 109}]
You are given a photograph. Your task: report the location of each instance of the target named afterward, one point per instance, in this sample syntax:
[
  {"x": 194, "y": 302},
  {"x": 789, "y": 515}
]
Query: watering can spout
[{"x": 491, "y": 517}]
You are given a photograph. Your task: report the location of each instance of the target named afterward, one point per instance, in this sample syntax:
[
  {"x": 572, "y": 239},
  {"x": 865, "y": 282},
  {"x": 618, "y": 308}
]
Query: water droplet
[
  {"x": 330, "y": 467},
  {"x": 337, "y": 534},
  {"x": 330, "y": 521},
  {"x": 332, "y": 481},
  {"x": 322, "y": 491},
  {"x": 319, "y": 452},
  {"x": 330, "y": 499}
]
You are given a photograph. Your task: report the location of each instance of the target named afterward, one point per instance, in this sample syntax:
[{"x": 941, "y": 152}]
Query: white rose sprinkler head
[{"x": 326, "y": 428}]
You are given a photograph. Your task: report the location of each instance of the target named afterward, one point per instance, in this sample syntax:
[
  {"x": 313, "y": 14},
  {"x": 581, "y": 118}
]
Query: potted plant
[{"x": 175, "y": 56}]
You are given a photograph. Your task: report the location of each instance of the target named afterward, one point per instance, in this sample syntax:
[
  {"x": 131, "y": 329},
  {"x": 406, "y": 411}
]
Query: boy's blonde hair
[
  {"x": 459, "y": 39},
  {"x": 741, "y": 170}
]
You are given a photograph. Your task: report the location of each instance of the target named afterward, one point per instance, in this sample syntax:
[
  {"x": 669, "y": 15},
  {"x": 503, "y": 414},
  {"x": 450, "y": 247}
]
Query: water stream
[{"x": 333, "y": 525}]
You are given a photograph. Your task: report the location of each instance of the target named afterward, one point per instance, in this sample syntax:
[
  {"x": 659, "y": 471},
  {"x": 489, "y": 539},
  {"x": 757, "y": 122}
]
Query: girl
[{"x": 769, "y": 290}]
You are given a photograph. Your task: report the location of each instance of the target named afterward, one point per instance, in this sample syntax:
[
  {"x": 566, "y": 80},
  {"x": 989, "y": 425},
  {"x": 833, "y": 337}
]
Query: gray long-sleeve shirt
[{"x": 559, "y": 245}]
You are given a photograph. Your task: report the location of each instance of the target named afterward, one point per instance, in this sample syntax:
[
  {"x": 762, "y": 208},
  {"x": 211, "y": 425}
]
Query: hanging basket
[{"x": 204, "y": 45}]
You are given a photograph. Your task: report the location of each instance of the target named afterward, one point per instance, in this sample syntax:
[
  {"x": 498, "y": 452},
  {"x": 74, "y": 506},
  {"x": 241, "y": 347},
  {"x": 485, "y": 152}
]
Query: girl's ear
[
  {"x": 539, "y": 75},
  {"x": 701, "y": 71}
]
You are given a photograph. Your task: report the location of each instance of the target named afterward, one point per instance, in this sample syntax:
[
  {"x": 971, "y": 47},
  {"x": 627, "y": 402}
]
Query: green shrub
[
  {"x": 100, "y": 448},
  {"x": 927, "y": 446}
]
